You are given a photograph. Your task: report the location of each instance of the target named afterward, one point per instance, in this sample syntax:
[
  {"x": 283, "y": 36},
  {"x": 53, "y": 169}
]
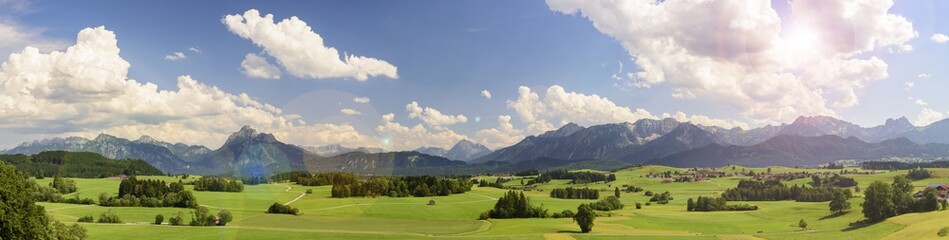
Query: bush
[
  {"x": 224, "y": 217},
  {"x": 608, "y": 204},
  {"x": 565, "y": 214},
  {"x": 176, "y": 220},
  {"x": 283, "y": 209},
  {"x": 309, "y": 191},
  {"x": 86, "y": 219},
  {"x": 109, "y": 217},
  {"x": 159, "y": 219},
  {"x": 943, "y": 232},
  {"x": 639, "y": 205}
]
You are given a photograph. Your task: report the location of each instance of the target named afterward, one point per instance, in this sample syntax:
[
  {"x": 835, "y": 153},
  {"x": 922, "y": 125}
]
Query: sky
[{"x": 405, "y": 74}]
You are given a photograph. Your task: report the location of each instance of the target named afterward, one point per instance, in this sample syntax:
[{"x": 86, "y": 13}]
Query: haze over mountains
[{"x": 806, "y": 141}]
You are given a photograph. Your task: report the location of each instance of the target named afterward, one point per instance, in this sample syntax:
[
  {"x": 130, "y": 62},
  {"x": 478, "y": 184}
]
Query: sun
[{"x": 800, "y": 45}]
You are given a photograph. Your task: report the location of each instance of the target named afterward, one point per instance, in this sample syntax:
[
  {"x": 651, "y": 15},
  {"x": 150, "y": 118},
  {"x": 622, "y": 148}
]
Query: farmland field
[{"x": 455, "y": 216}]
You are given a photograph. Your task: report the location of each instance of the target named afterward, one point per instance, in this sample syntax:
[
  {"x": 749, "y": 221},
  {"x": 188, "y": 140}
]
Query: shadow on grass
[
  {"x": 838, "y": 214},
  {"x": 566, "y": 231},
  {"x": 859, "y": 224}
]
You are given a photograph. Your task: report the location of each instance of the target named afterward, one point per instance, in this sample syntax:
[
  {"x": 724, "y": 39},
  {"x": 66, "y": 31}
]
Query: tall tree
[
  {"x": 585, "y": 217},
  {"x": 839, "y": 204},
  {"x": 616, "y": 193},
  {"x": 878, "y": 201}
]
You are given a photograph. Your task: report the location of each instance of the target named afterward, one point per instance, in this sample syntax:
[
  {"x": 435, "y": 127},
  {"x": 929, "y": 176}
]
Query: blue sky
[{"x": 446, "y": 53}]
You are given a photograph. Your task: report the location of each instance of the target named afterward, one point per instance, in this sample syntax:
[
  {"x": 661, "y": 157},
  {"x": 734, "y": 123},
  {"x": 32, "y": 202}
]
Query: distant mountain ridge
[{"x": 807, "y": 140}]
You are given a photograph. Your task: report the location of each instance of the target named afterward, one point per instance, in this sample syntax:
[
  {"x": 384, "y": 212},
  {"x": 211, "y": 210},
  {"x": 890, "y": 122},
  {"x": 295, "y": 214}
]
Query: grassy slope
[{"x": 454, "y": 216}]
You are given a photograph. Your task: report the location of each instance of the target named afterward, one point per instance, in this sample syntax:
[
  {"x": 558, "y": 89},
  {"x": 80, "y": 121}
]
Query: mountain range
[{"x": 806, "y": 141}]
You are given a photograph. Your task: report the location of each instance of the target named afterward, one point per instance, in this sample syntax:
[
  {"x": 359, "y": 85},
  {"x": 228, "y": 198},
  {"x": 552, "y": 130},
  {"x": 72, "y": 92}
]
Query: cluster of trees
[
  {"x": 894, "y": 165},
  {"x": 565, "y": 214},
  {"x": 77, "y": 164},
  {"x": 108, "y": 217},
  {"x": 774, "y": 190},
  {"x": 22, "y": 218},
  {"x": 63, "y": 185},
  {"x": 202, "y": 217},
  {"x": 918, "y": 174},
  {"x": 514, "y": 205},
  {"x": 278, "y": 208},
  {"x": 882, "y": 200},
  {"x": 324, "y": 179},
  {"x": 711, "y": 204},
  {"x": 633, "y": 189},
  {"x": 218, "y": 184},
  {"x": 575, "y": 193},
  {"x": 496, "y": 184},
  {"x": 50, "y": 194},
  {"x": 662, "y": 198},
  {"x": 608, "y": 204},
  {"x": 833, "y": 181},
  {"x": 150, "y": 193},
  {"x": 575, "y": 177},
  {"x": 254, "y": 180},
  {"x": 418, "y": 186}
]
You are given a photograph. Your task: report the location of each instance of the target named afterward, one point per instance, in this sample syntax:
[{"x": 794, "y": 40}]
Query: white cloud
[
  {"x": 747, "y": 60},
  {"x": 349, "y": 111},
  {"x": 486, "y": 94},
  {"x": 361, "y": 100},
  {"x": 560, "y": 107},
  {"x": 910, "y": 85},
  {"x": 14, "y": 38},
  {"x": 194, "y": 49},
  {"x": 257, "y": 67},
  {"x": 939, "y": 38},
  {"x": 398, "y": 137},
  {"x": 85, "y": 91},
  {"x": 924, "y": 76},
  {"x": 501, "y": 136},
  {"x": 928, "y": 116},
  {"x": 921, "y": 102},
  {"x": 301, "y": 51},
  {"x": 176, "y": 56},
  {"x": 432, "y": 117}
]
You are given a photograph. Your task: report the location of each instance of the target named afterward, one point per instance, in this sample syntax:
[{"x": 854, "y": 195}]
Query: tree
[
  {"x": 616, "y": 193},
  {"x": 690, "y": 205},
  {"x": 878, "y": 201},
  {"x": 929, "y": 202},
  {"x": 839, "y": 204},
  {"x": 585, "y": 217},
  {"x": 159, "y": 219},
  {"x": 224, "y": 217},
  {"x": 902, "y": 195},
  {"x": 802, "y": 224},
  {"x": 176, "y": 220}
]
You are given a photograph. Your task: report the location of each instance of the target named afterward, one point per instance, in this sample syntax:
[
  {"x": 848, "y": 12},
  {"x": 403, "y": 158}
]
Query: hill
[
  {"x": 168, "y": 157},
  {"x": 77, "y": 164}
]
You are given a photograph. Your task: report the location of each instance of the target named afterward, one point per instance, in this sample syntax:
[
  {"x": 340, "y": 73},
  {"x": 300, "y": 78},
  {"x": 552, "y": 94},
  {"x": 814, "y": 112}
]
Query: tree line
[
  {"x": 218, "y": 184},
  {"x": 324, "y": 179},
  {"x": 894, "y": 165},
  {"x": 918, "y": 174},
  {"x": 575, "y": 193},
  {"x": 711, "y": 204},
  {"x": 417, "y": 186},
  {"x": 575, "y": 177},
  {"x": 150, "y": 193},
  {"x": 774, "y": 190}
]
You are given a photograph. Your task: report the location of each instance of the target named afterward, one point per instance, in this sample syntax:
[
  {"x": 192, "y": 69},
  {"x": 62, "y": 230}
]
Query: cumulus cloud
[
  {"x": 361, "y": 100},
  {"x": 349, "y": 111},
  {"x": 921, "y": 102},
  {"x": 501, "y": 136},
  {"x": 910, "y": 85},
  {"x": 486, "y": 94},
  {"x": 432, "y": 117},
  {"x": 14, "y": 37},
  {"x": 257, "y": 67},
  {"x": 398, "y": 137},
  {"x": 85, "y": 91},
  {"x": 176, "y": 56},
  {"x": 194, "y": 50},
  {"x": 928, "y": 116},
  {"x": 558, "y": 107},
  {"x": 301, "y": 51},
  {"x": 737, "y": 53},
  {"x": 924, "y": 76},
  {"x": 939, "y": 38}
]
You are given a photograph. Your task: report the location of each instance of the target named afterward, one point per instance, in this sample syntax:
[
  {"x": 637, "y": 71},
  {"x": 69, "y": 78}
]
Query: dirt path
[
  {"x": 295, "y": 199},
  {"x": 558, "y": 236}
]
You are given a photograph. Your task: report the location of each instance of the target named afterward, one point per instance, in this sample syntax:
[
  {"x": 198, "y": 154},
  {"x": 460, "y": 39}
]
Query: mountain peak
[
  {"x": 564, "y": 131},
  {"x": 104, "y": 137},
  {"x": 246, "y": 133},
  {"x": 466, "y": 150},
  {"x": 902, "y": 121}
]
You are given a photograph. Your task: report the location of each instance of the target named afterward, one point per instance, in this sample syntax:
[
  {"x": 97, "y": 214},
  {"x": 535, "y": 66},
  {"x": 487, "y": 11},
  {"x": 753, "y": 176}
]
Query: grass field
[{"x": 455, "y": 217}]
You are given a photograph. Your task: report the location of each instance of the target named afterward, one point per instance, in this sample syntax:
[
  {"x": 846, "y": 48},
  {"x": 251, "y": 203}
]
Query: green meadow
[{"x": 455, "y": 216}]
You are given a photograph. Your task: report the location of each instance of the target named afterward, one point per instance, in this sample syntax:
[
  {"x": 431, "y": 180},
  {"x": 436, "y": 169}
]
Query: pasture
[{"x": 455, "y": 216}]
